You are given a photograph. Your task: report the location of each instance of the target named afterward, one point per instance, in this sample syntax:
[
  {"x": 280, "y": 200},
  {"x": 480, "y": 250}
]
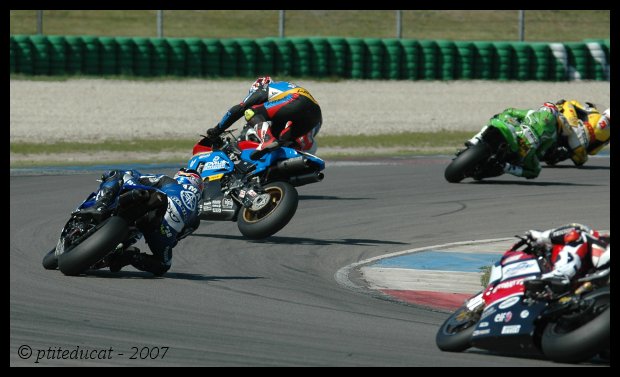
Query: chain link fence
[{"x": 456, "y": 25}]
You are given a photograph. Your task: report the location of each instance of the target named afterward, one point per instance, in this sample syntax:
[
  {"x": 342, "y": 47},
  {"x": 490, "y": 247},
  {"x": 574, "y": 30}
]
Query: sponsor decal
[
  {"x": 215, "y": 203},
  {"x": 483, "y": 324},
  {"x": 227, "y": 203},
  {"x": 216, "y": 163},
  {"x": 481, "y": 332},
  {"x": 173, "y": 218},
  {"x": 216, "y": 177},
  {"x": 189, "y": 199},
  {"x": 520, "y": 268},
  {"x": 512, "y": 329},
  {"x": 190, "y": 188},
  {"x": 165, "y": 230},
  {"x": 503, "y": 317},
  {"x": 488, "y": 311},
  {"x": 524, "y": 313},
  {"x": 507, "y": 285},
  {"x": 216, "y": 210},
  {"x": 509, "y": 302},
  {"x": 178, "y": 202}
]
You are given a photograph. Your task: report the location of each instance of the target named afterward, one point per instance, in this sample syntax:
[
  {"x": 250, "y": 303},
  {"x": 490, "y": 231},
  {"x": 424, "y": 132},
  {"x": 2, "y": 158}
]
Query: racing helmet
[
  {"x": 553, "y": 109},
  {"x": 550, "y": 106},
  {"x": 189, "y": 177},
  {"x": 261, "y": 81},
  {"x": 602, "y": 126}
]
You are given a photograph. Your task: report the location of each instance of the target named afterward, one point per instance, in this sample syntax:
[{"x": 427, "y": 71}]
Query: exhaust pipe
[
  {"x": 292, "y": 165},
  {"x": 304, "y": 179}
]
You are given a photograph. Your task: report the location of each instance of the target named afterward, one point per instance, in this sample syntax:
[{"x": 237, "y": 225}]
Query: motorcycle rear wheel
[
  {"x": 103, "y": 239},
  {"x": 272, "y": 217},
  {"x": 573, "y": 345}
]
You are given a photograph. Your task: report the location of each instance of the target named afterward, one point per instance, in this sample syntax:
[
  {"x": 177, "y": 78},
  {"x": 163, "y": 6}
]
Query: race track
[{"x": 230, "y": 302}]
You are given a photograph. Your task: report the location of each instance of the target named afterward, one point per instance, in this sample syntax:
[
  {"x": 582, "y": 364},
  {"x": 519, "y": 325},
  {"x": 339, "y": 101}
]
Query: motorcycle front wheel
[
  {"x": 50, "y": 262},
  {"x": 462, "y": 166},
  {"x": 456, "y": 332},
  {"x": 272, "y": 217},
  {"x": 93, "y": 246}
]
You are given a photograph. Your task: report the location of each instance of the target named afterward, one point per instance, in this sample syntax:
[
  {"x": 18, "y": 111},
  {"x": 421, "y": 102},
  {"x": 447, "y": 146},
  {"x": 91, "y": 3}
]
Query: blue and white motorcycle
[
  {"x": 88, "y": 242},
  {"x": 260, "y": 194}
]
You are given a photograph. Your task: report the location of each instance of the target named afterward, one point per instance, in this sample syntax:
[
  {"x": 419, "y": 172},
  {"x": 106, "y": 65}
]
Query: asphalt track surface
[{"x": 228, "y": 301}]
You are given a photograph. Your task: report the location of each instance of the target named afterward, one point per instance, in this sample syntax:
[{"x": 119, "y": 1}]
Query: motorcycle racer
[
  {"x": 535, "y": 131},
  {"x": 582, "y": 131},
  {"x": 280, "y": 112},
  {"x": 574, "y": 249},
  {"x": 161, "y": 233}
]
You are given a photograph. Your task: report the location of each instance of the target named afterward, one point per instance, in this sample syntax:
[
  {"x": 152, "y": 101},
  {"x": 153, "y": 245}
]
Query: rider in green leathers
[{"x": 535, "y": 132}]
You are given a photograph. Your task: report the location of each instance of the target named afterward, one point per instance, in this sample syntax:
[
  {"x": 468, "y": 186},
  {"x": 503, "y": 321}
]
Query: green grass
[
  {"x": 405, "y": 139},
  {"x": 146, "y": 145},
  {"x": 408, "y": 139},
  {"x": 486, "y": 275},
  {"x": 493, "y": 25},
  {"x": 330, "y": 147}
]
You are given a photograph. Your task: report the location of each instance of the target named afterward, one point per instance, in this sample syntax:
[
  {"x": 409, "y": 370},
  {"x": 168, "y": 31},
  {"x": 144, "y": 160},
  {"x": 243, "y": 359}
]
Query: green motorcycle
[{"x": 499, "y": 143}]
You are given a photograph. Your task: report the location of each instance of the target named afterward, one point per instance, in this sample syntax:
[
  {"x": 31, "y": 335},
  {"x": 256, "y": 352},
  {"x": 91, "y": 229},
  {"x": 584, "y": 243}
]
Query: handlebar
[{"x": 531, "y": 248}]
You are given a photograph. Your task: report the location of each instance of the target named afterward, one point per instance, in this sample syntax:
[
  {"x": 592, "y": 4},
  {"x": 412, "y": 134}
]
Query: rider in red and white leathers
[{"x": 575, "y": 249}]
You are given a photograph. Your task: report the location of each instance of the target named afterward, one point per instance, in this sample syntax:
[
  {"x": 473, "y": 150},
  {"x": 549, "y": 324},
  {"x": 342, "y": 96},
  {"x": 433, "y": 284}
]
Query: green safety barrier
[{"x": 350, "y": 58}]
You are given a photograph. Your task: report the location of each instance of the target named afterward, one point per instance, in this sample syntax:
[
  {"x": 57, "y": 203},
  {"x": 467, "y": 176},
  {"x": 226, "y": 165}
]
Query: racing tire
[
  {"x": 50, "y": 262},
  {"x": 105, "y": 238},
  {"x": 582, "y": 343},
  {"x": 465, "y": 162},
  {"x": 273, "y": 216},
  {"x": 455, "y": 333}
]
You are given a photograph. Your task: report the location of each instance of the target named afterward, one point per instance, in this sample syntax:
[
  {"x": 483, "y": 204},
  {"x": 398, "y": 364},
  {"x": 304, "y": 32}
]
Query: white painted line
[{"x": 342, "y": 275}]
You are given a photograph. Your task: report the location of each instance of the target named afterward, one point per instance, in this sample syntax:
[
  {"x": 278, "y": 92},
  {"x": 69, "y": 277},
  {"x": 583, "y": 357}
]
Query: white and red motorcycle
[{"x": 519, "y": 314}]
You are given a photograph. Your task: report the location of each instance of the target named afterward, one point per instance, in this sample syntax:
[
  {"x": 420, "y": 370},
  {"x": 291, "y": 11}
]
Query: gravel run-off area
[{"x": 91, "y": 110}]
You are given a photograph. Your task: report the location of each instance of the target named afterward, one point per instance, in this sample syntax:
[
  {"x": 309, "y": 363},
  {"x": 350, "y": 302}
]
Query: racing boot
[
  {"x": 268, "y": 141},
  {"x": 121, "y": 259},
  {"x": 150, "y": 263},
  {"x": 476, "y": 138}
]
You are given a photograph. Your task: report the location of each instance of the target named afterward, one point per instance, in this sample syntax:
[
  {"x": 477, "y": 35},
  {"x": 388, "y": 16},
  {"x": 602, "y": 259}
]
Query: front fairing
[{"x": 211, "y": 164}]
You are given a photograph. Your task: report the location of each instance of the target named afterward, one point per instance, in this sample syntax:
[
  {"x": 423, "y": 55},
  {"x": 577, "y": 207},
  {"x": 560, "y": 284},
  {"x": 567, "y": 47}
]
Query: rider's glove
[
  {"x": 214, "y": 132},
  {"x": 539, "y": 238}
]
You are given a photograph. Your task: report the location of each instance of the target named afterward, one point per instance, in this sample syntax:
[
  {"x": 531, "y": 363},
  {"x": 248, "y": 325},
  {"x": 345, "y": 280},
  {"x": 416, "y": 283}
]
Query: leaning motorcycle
[
  {"x": 499, "y": 143},
  {"x": 517, "y": 315},
  {"x": 87, "y": 242},
  {"x": 260, "y": 195}
]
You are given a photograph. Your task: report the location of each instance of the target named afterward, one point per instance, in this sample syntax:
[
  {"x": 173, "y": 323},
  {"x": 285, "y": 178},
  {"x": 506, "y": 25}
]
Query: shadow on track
[
  {"x": 305, "y": 241},
  {"x": 596, "y": 360},
  {"x": 585, "y": 167},
  {"x": 168, "y": 275},
  {"x": 529, "y": 183},
  {"x": 328, "y": 197}
]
